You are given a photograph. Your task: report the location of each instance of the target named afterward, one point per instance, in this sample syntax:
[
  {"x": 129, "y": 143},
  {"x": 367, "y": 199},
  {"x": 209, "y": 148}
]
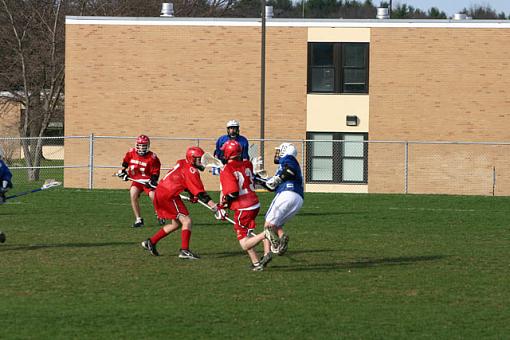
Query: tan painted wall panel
[
  {"x": 340, "y": 34},
  {"x": 329, "y": 112}
]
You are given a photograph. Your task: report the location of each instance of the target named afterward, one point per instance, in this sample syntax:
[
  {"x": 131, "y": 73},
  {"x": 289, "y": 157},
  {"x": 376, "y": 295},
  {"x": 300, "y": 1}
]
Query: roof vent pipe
[
  {"x": 383, "y": 13},
  {"x": 167, "y": 9},
  {"x": 269, "y": 11},
  {"x": 460, "y": 16}
]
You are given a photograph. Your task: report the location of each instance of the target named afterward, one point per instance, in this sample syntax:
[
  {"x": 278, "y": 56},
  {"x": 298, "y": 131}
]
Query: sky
[{"x": 451, "y": 7}]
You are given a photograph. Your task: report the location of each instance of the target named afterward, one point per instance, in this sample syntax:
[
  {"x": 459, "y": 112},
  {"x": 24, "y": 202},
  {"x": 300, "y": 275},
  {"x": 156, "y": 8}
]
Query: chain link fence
[
  {"x": 45, "y": 159},
  {"x": 350, "y": 165}
]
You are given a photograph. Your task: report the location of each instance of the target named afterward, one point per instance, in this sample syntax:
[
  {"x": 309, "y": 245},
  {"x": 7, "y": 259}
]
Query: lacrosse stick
[
  {"x": 209, "y": 161},
  {"x": 186, "y": 198},
  {"x": 256, "y": 161},
  {"x": 141, "y": 181},
  {"x": 253, "y": 152},
  {"x": 49, "y": 183}
]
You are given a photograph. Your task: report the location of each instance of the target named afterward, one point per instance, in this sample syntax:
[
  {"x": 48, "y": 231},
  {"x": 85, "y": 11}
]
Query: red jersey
[
  {"x": 142, "y": 167},
  {"x": 181, "y": 177},
  {"x": 237, "y": 176}
]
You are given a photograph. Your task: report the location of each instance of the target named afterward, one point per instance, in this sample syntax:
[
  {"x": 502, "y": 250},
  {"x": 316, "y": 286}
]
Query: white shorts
[{"x": 285, "y": 205}]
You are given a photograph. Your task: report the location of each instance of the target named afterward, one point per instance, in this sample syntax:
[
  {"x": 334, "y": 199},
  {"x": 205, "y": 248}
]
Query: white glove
[
  {"x": 257, "y": 163},
  {"x": 5, "y": 184},
  {"x": 273, "y": 182}
]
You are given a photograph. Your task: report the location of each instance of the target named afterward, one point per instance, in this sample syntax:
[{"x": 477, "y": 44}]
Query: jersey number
[
  {"x": 244, "y": 189},
  {"x": 132, "y": 170},
  {"x": 172, "y": 170}
]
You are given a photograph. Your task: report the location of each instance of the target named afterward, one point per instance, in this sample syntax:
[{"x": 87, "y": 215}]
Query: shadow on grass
[
  {"x": 25, "y": 247},
  {"x": 259, "y": 251},
  {"x": 363, "y": 263},
  {"x": 332, "y": 213}
]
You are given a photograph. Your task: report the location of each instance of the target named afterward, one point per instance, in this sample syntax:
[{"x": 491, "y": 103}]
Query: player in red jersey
[
  {"x": 184, "y": 176},
  {"x": 140, "y": 164},
  {"x": 239, "y": 195}
]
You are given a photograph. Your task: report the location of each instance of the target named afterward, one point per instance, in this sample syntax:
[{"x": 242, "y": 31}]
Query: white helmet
[
  {"x": 232, "y": 123},
  {"x": 233, "y": 128},
  {"x": 285, "y": 149}
]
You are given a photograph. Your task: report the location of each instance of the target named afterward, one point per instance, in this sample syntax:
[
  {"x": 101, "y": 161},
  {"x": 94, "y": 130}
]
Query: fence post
[
  {"x": 406, "y": 168},
  {"x": 493, "y": 181},
  {"x": 303, "y": 145},
  {"x": 91, "y": 161}
]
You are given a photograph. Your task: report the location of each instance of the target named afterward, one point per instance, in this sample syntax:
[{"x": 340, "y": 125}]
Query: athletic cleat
[
  {"x": 257, "y": 267},
  {"x": 284, "y": 243},
  {"x": 138, "y": 223},
  {"x": 187, "y": 255},
  {"x": 272, "y": 236},
  {"x": 161, "y": 221},
  {"x": 147, "y": 244},
  {"x": 264, "y": 261}
]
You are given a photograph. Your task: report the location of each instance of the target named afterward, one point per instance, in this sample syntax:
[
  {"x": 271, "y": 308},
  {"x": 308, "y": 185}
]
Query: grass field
[{"x": 358, "y": 267}]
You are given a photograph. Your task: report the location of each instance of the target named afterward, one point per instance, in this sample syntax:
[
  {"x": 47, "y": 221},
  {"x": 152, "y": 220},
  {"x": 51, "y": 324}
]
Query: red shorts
[
  {"x": 142, "y": 187},
  {"x": 169, "y": 207},
  {"x": 245, "y": 221}
]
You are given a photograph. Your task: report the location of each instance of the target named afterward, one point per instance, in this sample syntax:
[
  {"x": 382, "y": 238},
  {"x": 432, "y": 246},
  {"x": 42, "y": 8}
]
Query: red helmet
[
  {"x": 194, "y": 157},
  {"x": 142, "y": 145},
  {"x": 231, "y": 149}
]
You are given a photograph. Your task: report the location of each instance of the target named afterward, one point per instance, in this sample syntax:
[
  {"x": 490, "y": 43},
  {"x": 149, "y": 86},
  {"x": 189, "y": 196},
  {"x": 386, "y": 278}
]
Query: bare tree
[
  {"x": 32, "y": 37},
  {"x": 483, "y": 12},
  {"x": 152, "y": 8}
]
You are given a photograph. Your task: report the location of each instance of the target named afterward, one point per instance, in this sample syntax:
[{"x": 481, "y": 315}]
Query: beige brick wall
[
  {"x": 438, "y": 84},
  {"x": 433, "y": 84},
  {"x": 9, "y": 116},
  {"x": 177, "y": 81}
]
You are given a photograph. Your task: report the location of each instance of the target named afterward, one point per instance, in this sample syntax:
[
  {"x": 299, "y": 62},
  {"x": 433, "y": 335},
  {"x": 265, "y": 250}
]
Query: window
[
  {"x": 338, "y": 67},
  {"x": 335, "y": 157}
]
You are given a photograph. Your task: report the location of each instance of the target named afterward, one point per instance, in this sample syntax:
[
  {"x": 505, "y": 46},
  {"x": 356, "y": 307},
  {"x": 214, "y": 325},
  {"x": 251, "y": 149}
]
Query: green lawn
[{"x": 358, "y": 266}]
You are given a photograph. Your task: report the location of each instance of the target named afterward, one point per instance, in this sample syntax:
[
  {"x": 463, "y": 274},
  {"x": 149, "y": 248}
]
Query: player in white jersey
[{"x": 288, "y": 185}]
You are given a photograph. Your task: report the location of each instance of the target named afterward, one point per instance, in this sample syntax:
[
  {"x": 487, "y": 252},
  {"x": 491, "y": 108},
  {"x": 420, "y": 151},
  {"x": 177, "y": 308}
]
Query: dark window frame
[
  {"x": 337, "y": 157},
  {"x": 338, "y": 66}
]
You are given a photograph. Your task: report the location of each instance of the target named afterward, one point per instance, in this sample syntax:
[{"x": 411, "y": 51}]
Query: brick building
[{"x": 353, "y": 80}]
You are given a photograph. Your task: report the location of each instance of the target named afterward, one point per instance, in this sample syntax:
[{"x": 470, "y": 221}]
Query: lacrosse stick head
[
  {"x": 209, "y": 161},
  {"x": 194, "y": 157},
  {"x": 50, "y": 183},
  {"x": 253, "y": 152}
]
